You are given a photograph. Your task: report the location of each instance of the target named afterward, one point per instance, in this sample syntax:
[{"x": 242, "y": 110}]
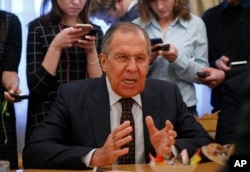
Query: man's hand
[
  {"x": 214, "y": 78},
  {"x": 111, "y": 149},
  {"x": 222, "y": 63},
  {"x": 162, "y": 140}
]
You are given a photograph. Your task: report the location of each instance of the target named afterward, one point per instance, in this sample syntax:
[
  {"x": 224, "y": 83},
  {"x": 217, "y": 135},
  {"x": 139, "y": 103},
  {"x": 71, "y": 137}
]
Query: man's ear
[{"x": 103, "y": 62}]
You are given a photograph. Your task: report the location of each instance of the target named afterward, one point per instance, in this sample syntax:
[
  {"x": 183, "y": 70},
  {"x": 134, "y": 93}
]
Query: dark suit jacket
[
  {"x": 80, "y": 121},
  {"x": 242, "y": 127},
  {"x": 229, "y": 113}
]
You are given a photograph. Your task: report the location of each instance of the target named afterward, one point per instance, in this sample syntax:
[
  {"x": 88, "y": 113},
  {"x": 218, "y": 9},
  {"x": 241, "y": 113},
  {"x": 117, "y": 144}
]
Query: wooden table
[{"x": 203, "y": 167}]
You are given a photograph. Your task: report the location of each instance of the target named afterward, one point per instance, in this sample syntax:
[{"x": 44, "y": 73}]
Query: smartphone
[
  {"x": 84, "y": 27},
  {"x": 92, "y": 32},
  {"x": 156, "y": 41},
  {"x": 202, "y": 74},
  {"x": 238, "y": 63},
  {"x": 163, "y": 47},
  {"x": 20, "y": 96}
]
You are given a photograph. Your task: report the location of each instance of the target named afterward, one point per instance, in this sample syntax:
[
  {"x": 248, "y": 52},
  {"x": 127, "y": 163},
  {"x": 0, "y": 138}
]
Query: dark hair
[
  {"x": 125, "y": 27},
  {"x": 100, "y": 5},
  {"x": 181, "y": 9},
  {"x": 55, "y": 14}
]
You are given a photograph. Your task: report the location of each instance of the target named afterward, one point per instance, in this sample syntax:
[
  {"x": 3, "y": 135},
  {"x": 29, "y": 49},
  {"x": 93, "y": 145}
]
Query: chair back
[{"x": 209, "y": 122}]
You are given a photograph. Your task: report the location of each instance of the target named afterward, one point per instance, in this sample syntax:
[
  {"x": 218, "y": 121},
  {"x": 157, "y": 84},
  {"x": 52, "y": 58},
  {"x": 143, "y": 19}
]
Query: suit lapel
[
  {"x": 149, "y": 107},
  {"x": 99, "y": 112}
]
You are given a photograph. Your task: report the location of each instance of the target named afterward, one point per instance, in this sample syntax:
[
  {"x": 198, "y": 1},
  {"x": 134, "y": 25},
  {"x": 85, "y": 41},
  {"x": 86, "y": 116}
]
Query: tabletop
[{"x": 203, "y": 167}]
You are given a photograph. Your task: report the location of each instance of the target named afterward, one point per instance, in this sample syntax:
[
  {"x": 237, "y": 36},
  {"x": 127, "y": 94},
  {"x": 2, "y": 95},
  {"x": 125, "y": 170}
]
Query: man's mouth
[{"x": 129, "y": 81}]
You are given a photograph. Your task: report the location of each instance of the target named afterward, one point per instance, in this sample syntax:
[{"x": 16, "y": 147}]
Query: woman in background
[
  {"x": 57, "y": 53},
  {"x": 10, "y": 54},
  {"x": 171, "y": 21}
]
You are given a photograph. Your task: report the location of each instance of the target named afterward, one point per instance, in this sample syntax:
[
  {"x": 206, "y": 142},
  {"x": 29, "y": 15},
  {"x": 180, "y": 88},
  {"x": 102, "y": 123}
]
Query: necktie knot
[{"x": 127, "y": 104}]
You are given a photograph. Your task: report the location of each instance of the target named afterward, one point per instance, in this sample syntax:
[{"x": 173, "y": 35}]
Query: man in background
[{"x": 228, "y": 26}]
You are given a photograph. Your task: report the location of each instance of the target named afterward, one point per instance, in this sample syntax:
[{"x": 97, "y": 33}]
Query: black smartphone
[
  {"x": 20, "y": 96},
  {"x": 156, "y": 41},
  {"x": 92, "y": 32},
  {"x": 202, "y": 74},
  {"x": 163, "y": 47}
]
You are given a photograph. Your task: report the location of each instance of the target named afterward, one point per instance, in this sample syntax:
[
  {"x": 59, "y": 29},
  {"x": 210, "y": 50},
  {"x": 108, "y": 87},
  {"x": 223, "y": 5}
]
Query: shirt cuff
[
  {"x": 87, "y": 158},
  {"x": 175, "y": 151}
]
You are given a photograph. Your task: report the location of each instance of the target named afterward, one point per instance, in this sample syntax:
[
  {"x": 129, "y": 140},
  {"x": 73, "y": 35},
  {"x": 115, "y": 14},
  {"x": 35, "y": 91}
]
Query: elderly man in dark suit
[{"x": 83, "y": 128}]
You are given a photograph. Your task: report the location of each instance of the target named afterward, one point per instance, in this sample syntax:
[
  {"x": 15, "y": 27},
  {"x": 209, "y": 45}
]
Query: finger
[
  {"x": 123, "y": 141},
  {"x": 172, "y": 133},
  {"x": 169, "y": 125},
  {"x": 122, "y": 130},
  {"x": 150, "y": 125},
  {"x": 120, "y": 152},
  {"x": 171, "y": 141},
  {"x": 8, "y": 97}
]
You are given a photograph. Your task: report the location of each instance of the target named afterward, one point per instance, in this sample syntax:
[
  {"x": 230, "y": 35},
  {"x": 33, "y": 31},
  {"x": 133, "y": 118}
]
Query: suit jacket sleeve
[
  {"x": 60, "y": 148},
  {"x": 166, "y": 103}
]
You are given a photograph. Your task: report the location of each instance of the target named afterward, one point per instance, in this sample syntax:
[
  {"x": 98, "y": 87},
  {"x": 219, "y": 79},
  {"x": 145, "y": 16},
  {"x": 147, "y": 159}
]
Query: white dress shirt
[{"x": 115, "y": 115}]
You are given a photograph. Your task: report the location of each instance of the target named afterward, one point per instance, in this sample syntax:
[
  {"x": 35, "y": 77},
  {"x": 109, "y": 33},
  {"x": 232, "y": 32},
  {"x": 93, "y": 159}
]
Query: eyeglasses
[{"x": 123, "y": 58}]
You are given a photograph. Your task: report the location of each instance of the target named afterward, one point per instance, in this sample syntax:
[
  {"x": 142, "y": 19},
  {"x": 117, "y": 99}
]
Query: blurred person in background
[
  {"x": 242, "y": 127},
  {"x": 112, "y": 11},
  {"x": 10, "y": 55},
  {"x": 228, "y": 26},
  {"x": 228, "y": 117},
  {"x": 172, "y": 21},
  {"x": 58, "y": 52}
]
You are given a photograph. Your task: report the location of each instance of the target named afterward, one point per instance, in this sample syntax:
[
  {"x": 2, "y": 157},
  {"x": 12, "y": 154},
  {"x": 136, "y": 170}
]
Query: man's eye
[
  {"x": 123, "y": 57},
  {"x": 140, "y": 58}
]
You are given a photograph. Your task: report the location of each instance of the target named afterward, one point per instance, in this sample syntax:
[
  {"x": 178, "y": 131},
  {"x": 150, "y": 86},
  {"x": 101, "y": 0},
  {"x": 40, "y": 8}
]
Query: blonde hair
[{"x": 181, "y": 10}]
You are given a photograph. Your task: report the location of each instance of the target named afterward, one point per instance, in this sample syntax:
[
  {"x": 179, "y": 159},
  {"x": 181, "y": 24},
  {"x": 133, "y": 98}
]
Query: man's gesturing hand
[
  {"x": 162, "y": 140},
  {"x": 111, "y": 150}
]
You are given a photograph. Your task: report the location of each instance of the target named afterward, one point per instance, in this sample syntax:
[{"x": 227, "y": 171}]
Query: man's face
[
  {"x": 127, "y": 62},
  {"x": 232, "y": 2}
]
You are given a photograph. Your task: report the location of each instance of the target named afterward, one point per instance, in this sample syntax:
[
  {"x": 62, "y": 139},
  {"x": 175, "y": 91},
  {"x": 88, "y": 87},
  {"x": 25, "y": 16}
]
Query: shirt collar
[
  {"x": 133, "y": 3},
  {"x": 114, "y": 98},
  {"x": 177, "y": 21}
]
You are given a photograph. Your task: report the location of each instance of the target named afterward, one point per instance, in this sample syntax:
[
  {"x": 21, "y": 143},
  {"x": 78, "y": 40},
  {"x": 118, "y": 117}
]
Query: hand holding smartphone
[
  {"x": 163, "y": 47},
  {"x": 91, "y": 31}
]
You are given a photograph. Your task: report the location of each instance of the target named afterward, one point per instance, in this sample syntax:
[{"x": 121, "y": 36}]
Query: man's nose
[{"x": 132, "y": 64}]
